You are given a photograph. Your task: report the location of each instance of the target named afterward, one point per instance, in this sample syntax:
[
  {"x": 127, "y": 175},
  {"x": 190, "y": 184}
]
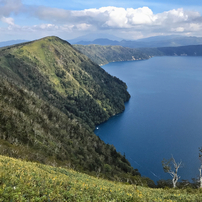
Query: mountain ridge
[
  {"x": 51, "y": 98},
  {"x": 151, "y": 42},
  {"x": 66, "y": 83},
  {"x": 105, "y": 54}
]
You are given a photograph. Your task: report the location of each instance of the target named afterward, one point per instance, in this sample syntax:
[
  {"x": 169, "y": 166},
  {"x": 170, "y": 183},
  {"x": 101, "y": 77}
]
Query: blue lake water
[{"x": 163, "y": 116}]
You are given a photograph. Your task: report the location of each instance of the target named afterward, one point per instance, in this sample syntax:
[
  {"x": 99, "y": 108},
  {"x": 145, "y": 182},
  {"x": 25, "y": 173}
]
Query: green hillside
[
  {"x": 51, "y": 98},
  {"x": 59, "y": 74},
  {"x": 105, "y": 54},
  {"x": 25, "y": 181},
  {"x": 192, "y": 50}
]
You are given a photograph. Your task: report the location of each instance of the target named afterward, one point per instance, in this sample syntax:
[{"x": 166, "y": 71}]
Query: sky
[{"x": 127, "y": 19}]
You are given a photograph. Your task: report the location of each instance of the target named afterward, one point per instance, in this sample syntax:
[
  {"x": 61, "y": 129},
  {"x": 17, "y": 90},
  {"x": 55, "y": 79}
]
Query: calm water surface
[{"x": 163, "y": 116}]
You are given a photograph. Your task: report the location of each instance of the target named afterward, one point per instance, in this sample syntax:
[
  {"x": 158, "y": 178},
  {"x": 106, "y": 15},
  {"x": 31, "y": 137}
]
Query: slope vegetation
[
  {"x": 26, "y": 181},
  {"x": 62, "y": 76},
  {"x": 51, "y": 98},
  {"x": 105, "y": 54},
  {"x": 192, "y": 50}
]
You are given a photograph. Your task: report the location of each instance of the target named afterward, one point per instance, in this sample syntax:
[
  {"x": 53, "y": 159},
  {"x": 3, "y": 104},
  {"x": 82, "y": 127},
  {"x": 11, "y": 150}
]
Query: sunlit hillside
[{"x": 27, "y": 181}]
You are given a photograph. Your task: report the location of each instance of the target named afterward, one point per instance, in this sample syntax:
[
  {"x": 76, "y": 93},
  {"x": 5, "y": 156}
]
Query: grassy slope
[{"x": 26, "y": 181}]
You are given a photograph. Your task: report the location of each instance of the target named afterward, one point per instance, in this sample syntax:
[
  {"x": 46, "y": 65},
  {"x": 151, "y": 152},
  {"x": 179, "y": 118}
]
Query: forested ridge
[
  {"x": 105, "y": 54},
  {"x": 51, "y": 98},
  {"x": 65, "y": 78}
]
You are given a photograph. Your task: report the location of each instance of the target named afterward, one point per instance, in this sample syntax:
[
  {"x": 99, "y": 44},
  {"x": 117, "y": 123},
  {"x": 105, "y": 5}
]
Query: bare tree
[
  {"x": 200, "y": 177},
  {"x": 171, "y": 166},
  {"x": 98, "y": 172}
]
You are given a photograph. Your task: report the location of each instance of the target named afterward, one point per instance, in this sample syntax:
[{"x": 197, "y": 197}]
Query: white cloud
[
  {"x": 176, "y": 16},
  {"x": 140, "y": 19},
  {"x": 116, "y": 17},
  {"x": 83, "y": 26},
  {"x": 8, "y": 20},
  {"x": 10, "y": 6},
  {"x": 178, "y": 29},
  {"x": 49, "y": 14},
  {"x": 140, "y": 16},
  {"x": 46, "y": 27},
  {"x": 195, "y": 26},
  {"x": 139, "y": 22},
  {"x": 104, "y": 16}
]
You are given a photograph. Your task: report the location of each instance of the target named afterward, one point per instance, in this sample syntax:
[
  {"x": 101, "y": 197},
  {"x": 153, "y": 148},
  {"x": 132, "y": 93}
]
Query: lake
[{"x": 163, "y": 116}]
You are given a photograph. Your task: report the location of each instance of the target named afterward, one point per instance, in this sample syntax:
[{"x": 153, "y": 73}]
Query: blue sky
[
  {"x": 129, "y": 19},
  {"x": 155, "y": 5}
]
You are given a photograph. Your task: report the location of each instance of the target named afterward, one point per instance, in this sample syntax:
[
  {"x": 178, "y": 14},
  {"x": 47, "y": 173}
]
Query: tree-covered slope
[
  {"x": 105, "y": 54},
  {"x": 51, "y": 97},
  {"x": 61, "y": 75},
  {"x": 33, "y": 129},
  {"x": 193, "y": 50}
]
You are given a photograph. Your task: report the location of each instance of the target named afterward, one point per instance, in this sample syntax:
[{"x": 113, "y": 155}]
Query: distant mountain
[
  {"x": 160, "y": 38},
  {"x": 151, "y": 42},
  {"x": 100, "y": 41},
  {"x": 171, "y": 41},
  {"x": 12, "y": 42},
  {"x": 191, "y": 50},
  {"x": 92, "y": 37}
]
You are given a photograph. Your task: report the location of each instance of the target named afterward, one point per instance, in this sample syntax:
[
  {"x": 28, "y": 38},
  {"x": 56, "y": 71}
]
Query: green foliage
[
  {"x": 164, "y": 183},
  {"x": 107, "y": 168},
  {"x": 33, "y": 129},
  {"x": 66, "y": 79},
  {"x": 167, "y": 163},
  {"x": 26, "y": 181}
]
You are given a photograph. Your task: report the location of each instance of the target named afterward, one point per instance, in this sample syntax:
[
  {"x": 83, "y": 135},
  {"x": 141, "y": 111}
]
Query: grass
[{"x": 28, "y": 181}]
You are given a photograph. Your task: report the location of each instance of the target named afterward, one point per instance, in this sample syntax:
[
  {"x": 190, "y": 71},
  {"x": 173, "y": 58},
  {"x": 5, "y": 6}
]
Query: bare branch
[{"x": 171, "y": 166}]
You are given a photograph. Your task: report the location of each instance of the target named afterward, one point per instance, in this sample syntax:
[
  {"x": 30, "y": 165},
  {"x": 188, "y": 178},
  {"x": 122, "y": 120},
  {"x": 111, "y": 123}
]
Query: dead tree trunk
[
  {"x": 200, "y": 177},
  {"x": 170, "y": 166}
]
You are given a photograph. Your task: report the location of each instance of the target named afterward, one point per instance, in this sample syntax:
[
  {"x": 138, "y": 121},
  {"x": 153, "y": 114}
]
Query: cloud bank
[{"x": 138, "y": 22}]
